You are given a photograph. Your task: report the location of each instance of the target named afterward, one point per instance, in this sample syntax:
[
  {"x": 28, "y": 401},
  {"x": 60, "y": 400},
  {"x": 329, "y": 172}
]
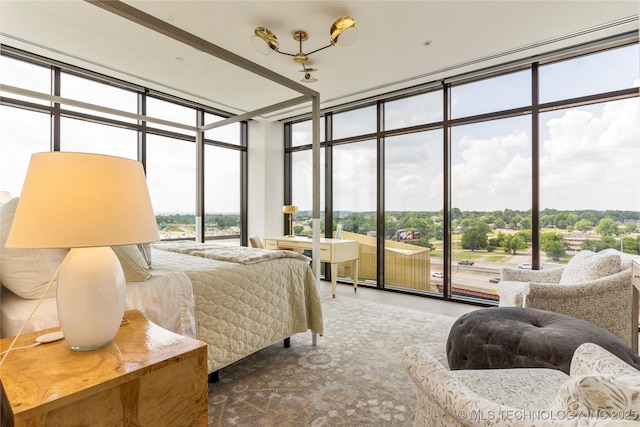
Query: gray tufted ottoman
[{"x": 516, "y": 337}]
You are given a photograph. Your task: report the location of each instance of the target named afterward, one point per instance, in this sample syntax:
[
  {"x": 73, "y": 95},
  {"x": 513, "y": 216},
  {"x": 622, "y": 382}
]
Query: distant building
[{"x": 576, "y": 238}]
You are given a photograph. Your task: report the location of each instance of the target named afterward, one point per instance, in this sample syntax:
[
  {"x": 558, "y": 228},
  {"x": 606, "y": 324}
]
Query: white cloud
[
  {"x": 492, "y": 173},
  {"x": 592, "y": 159}
]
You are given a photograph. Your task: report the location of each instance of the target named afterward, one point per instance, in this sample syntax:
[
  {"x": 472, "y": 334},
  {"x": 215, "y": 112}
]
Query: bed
[
  {"x": 245, "y": 298},
  {"x": 238, "y": 300}
]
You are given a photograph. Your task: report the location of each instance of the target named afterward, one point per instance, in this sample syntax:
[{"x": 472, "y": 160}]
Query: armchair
[
  {"x": 537, "y": 397},
  {"x": 593, "y": 287}
]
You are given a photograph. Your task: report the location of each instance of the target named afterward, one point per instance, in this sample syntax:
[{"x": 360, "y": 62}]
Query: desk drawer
[
  {"x": 635, "y": 274},
  {"x": 294, "y": 246},
  {"x": 270, "y": 244}
]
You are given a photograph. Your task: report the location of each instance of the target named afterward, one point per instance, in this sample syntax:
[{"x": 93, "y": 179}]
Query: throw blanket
[{"x": 237, "y": 254}]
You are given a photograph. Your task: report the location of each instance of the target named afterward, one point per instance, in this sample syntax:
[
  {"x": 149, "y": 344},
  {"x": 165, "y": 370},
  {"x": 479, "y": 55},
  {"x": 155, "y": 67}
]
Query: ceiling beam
[
  {"x": 258, "y": 112},
  {"x": 139, "y": 17}
]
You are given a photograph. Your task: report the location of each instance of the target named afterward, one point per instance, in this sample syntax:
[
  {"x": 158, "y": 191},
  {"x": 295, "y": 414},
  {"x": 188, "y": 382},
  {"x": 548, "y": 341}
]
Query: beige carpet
[{"x": 353, "y": 377}]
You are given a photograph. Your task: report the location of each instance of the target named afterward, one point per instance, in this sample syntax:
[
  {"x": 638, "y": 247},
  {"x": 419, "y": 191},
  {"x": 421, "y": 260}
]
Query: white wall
[{"x": 266, "y": 178}]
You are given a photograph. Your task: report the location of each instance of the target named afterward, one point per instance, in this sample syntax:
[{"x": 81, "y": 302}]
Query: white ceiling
[{"x": 390, "y": 52}]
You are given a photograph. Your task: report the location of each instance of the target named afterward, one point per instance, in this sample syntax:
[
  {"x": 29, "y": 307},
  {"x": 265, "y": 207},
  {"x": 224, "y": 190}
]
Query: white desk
[
  {"x": 635, "y": 279},
  {"x": 333, "y": 251}
]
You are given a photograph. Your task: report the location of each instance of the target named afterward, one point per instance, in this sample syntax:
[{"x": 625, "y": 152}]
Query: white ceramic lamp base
[{"x": 91, "y": 297}]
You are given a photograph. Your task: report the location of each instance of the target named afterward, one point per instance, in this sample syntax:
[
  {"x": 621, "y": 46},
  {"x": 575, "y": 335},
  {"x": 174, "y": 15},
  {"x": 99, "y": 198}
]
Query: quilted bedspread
[{"x": 242, "y": 307}]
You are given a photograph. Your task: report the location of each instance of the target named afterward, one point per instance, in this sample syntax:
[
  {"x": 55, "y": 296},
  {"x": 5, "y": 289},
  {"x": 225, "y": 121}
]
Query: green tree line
[{"x": 508, "y": 230}]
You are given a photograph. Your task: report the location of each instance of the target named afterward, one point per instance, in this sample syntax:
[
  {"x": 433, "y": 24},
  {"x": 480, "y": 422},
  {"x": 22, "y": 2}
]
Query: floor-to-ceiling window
[
  {"x": 589, "y": 155},
  {"x": 24, "y": 130},
  {"x": 491, "y": 199},
  {"x": 301, "y": 179},
  {"x": 167, "y": 151},
  {"x": 528, "y": 165},
  {"x": 413, "y": 211}
]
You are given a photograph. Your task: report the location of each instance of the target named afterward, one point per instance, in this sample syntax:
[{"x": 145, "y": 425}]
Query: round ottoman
[{"x": 517, "y": 337}]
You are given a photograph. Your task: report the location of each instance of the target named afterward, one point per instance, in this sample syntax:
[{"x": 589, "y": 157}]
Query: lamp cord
[{"x": 46, "y": 289}]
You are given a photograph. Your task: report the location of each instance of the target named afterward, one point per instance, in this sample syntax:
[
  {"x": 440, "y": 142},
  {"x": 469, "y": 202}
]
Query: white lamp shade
[
  {"x": 260, "y": 45},
  {"x": 289, "y": 209},
  {"x": 5, "y": 196},
  {"x": 347, "y": 37},
  {"x": 73, "y": 200}
]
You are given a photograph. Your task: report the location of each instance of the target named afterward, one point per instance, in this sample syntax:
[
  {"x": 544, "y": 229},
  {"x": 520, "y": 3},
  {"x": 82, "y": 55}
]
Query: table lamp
[
  {"x": 290, "y": 210},
  {"x": 5, "y": 196},
  {"x": 86, "y": 202}
]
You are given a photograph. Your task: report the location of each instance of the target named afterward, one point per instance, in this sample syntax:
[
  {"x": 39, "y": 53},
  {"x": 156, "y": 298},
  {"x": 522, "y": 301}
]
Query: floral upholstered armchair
[
  {"x": 601, "y": 390},
  {"x": 595, "y": 287}
]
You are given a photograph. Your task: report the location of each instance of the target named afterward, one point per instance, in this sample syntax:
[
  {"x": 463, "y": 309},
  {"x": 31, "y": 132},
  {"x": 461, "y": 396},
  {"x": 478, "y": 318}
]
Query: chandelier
[{"x": 343, "y": 33}]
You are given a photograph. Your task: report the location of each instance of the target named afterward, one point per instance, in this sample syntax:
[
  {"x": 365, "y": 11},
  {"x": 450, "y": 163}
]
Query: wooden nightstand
[{"x": 147, "y": 376}]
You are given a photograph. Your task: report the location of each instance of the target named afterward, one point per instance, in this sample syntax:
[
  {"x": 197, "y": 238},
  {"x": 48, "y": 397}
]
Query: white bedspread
[
  {"x": 166, "y": 299},
  {"x": 237, "y": 254},
  {"x": 242, "y": 308}
]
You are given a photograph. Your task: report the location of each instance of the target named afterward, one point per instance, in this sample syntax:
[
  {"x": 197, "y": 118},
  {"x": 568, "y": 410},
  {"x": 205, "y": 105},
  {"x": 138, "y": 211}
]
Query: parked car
[
  {"x": 495, "y": 280},
  {"x": 525, "y": 266},
  {"x": 438, "y": 274},
  {"x": 465, "y": 262}
]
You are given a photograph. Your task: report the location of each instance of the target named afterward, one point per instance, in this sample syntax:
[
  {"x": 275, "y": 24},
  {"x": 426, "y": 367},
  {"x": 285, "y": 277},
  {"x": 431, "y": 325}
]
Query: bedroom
[
  {"x": 171, "y": 171},
  {"x": 344, "y": 78}
]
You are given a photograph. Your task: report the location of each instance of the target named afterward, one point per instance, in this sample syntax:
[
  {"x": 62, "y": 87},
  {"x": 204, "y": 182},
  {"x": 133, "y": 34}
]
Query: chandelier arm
[
  {"x": 318, "y": 50},
  {"x": 313, "y": 51}
]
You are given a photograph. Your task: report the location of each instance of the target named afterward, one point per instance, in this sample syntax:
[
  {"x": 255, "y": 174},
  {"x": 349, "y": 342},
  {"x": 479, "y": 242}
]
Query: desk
[
  {"x": 635, "y": 300},
  {"x": 147, "y": 376},
  {"x": 333, "y": 251}
]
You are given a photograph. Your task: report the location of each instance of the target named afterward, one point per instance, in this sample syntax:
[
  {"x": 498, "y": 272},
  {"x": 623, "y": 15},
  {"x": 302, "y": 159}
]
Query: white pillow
[
  {"x": 587, "y": 266},
  {"x": 145, "y": 248},
  {"x": 133, "y": 263},
  {"x": 26, "y": 272}
]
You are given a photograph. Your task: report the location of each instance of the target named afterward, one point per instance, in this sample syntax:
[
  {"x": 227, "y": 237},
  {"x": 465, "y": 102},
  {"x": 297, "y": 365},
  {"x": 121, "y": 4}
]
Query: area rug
[{"x": 353, "y": 377}]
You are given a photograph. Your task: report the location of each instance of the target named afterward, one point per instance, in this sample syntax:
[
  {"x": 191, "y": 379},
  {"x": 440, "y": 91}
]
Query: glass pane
[
  {"x": 302, "y": 191},
  {"x": 414, "y": 204},
  {"x": 302, "y": 133},
  {"x": 25, "y": 76},
  {"x": 491, "y": 202},
  {"x": 222, "y": 193},
  {"x": 413, "y": 110},
  {"x": 354, "y": 192},
  {"x": 495, "y": 94},
  {"x": 88, "y": 137},
  {"x": 229, "y": 133},
  {"x": 591, "y": 74},
  {"x": 171, "y": 177},
  {"x": 589, "y": 175},
  {"x": 355, "y": 122},
  {"x": 104, "y": 95},
  {"x": 164, "y": 110},
  {"x": 17, "y": 146}
]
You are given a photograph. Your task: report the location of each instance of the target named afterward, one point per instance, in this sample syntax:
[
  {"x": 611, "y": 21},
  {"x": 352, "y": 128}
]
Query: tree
[
  {"x": 600, "y": 245},
  {"x": 583, "y": 225},
  {"x": 607, "y": 227},
  {"x": 475, "y": 235},
  {"x": 553, "y": 245},
  {"x": 512, "y": 243},
  {"x": 630, "y": 245},
  {"x": 526, "y": 235},
  {"x": 498, "y": 240}
]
